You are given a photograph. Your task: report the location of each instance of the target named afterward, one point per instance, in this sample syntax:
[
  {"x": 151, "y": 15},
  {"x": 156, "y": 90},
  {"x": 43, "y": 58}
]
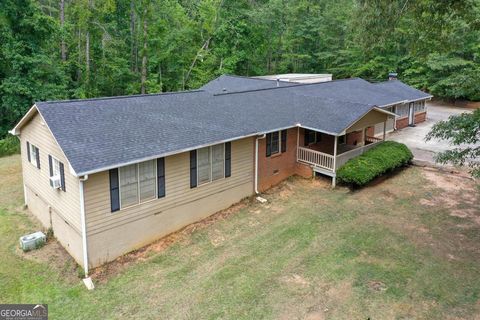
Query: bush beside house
[
  {"x": 383, "y": 158},
  {"x": 9, "y": 145}
]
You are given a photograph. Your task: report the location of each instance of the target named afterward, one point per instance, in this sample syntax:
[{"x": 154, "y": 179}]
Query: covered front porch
[{"x": 326, "y": 153}]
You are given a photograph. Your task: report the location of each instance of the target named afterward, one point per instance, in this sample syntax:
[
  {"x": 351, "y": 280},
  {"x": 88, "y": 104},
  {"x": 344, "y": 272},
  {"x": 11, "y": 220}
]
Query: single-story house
[{"x": 110, "y": 175}]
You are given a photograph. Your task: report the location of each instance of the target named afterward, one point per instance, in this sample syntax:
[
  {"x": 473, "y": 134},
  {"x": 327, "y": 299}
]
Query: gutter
[
  {"x": 87, "y": 280},
  {"x": 256, "y": 161}
]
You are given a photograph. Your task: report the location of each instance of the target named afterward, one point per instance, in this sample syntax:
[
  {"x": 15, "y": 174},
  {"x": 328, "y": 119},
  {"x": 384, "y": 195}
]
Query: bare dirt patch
[
  {"x": 459, "y": 195},
  {"x": 452, "y": 181},
  {"x": 103, "y": 273},
  {"x": 53, "y": 254},
  {"x": 296, "y": 280}
]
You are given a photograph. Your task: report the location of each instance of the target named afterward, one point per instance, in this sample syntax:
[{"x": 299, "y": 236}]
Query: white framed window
[
  {"x": 34, "y": 155},
  {"x": 275, "y": 144},
  {"x": 402, "y": 110},
  {"x": 137, "y": 183},
  {"x": 419, "y": 106},
  {"x": 55, "y": 167},
  {"x": 210, "y": 164}
]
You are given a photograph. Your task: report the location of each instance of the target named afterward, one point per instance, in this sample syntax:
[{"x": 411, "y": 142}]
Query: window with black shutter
[
  {"x": 161, "y": 177},
  {"x": 114, "y": 190},
  {"x": 273, "y": 143},
  {"x": 28, "y": 152},
  {"x": 56, "y": 172},
  {"x": 268, "y": 139},
  {"x": 284, "y": 141},
  {"x": 62, "y": 176},
  {"x": 33, "y": 155},
  {"x": 50, "y": 169},
  {"x": 193, "y": 168},
  {"x": 228, "y": 159}
]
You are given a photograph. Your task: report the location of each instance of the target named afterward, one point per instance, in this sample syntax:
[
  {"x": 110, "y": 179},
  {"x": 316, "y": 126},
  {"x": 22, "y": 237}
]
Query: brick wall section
[
  {"x": 402, "y": 123},
  {"x": 371, "y": 131},
  {"x": 324, "y": 145},
  {"x": 276, "y": 168},
  {"x": 419, "y": 117},
  {"x": 355, "y": 138}
]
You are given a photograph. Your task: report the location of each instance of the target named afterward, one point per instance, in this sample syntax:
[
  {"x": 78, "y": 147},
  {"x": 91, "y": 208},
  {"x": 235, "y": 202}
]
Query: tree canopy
[
  {"x": 463, "y": 133},
  {"x": 59, "y": 49}
]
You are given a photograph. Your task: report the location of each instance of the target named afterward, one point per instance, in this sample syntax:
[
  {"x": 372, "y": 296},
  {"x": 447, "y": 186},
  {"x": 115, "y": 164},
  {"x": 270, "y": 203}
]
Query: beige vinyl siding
[
  {"x": 371, "y": 118},
  {"x": 112, "y": 234},
  {"x": 54, "y": 208},
  {"x": 379, "y": 127},
  {"x": 66, "y": 204}
]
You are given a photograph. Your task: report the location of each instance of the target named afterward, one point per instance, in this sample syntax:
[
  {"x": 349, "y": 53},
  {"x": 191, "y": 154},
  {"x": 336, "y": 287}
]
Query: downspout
[
  {"x": 84, "y": 224},
  {"x": 256, "y": 161}
]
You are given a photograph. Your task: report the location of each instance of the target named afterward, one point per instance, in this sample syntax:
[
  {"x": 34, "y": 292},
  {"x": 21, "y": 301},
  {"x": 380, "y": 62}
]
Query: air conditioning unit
[
  {"x": 32, "y": 241},
  {"x": 56, "y": 182}
]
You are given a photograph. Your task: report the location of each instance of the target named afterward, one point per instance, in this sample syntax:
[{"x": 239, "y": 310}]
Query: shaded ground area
[
  {"x": 414, "y": 137},
  {"x": 405, "y": 248}
]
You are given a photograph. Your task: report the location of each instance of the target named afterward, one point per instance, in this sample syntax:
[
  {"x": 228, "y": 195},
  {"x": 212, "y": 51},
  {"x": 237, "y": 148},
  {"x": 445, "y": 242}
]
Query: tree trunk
[
  {"x": 144, "y": 52},
  {"x": 160, "y": 82},
  {"x": 62, "y": 26},
  {"x": 132, "y": 36},
  {"x": 87, "y": 56},
  {"x": 79, "y": 60}
]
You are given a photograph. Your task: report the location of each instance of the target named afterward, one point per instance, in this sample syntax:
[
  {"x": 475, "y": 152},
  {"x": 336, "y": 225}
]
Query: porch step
[{"x": 324, "y": 171}]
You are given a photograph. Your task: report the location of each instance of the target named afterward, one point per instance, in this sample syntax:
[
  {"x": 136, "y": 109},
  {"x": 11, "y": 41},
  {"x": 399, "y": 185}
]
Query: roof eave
[{"x": 16, "y": 130}]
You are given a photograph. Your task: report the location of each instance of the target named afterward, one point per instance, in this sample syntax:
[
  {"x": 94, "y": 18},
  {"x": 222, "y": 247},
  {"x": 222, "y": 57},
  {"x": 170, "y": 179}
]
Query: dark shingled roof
[
  {"x": 402, "y": 90},
  {"x": 103, "y": 133},
  {"x": 229, "y": 83}
]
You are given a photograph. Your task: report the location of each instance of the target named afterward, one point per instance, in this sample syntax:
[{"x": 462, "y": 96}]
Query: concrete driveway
[{"x": 414, "y": 137}]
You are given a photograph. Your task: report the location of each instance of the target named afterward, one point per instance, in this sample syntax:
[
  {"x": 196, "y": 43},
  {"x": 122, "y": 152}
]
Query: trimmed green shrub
[
  {"x": 383, "y": 158},
  {"x": 9, "y": 145}
]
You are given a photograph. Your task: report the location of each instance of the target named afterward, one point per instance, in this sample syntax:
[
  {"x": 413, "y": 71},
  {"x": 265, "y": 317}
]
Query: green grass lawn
[{"x": 408, "y": 247}]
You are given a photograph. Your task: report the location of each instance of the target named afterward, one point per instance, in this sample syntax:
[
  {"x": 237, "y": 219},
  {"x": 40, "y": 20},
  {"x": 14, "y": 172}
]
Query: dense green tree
[
  {"x": 463, "y": 132},
  {"x": 52, "y": 49},
  {"x": 29, "y": 68}
]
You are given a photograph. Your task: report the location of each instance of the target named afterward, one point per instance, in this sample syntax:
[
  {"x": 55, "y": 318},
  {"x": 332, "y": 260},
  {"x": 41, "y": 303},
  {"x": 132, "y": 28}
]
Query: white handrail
[
  {"x": 328, "y": 161},
  {"x": 316, "y": 158}
]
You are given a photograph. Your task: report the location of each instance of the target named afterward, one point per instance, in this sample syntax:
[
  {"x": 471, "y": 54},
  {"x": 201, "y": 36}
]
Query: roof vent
[{"x": 224, "y": 89}]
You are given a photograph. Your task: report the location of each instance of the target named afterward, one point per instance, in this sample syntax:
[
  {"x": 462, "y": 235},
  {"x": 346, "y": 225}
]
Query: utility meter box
[{"x": 32, "y": 241}]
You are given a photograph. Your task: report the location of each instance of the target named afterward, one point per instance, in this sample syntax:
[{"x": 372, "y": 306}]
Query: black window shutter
[
  {"x": 193, "y": 168},
  {"x": 161, "y": 177},
  {"x": 28, "y": 152},
  {"x": 38, "y": 158},
  {"x": 62, "y": 176},
  {"x": 284, "y": 141},
  {"x": 269, "y": 144},
  {"x": 228, "y": 159},
  {"x": 114, "y": 191},
  {"x": 306, "y": 137},
  {"x": 50, "y": 168}
]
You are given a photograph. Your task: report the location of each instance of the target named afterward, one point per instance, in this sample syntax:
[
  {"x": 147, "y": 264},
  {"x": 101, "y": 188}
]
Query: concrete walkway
[{"x": 414, "y": 137}]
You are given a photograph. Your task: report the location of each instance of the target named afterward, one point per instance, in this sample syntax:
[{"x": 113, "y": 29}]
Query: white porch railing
[
  {"x": 326, "y": 161},
  {"x": 373, "y": 139},
  {"x": 316, "y": 158},
  {"x": 344, "y": 157}
]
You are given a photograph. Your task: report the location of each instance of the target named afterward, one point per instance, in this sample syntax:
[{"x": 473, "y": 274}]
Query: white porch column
[
  {"x": 334, "y": 179},
  {"x": 384, "y": 129}
]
